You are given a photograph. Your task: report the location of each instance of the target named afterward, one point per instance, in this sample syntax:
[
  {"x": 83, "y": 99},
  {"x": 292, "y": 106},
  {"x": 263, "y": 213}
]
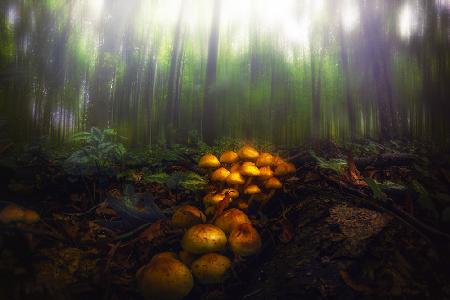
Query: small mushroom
[
  {"x": 211, "y": 268},
  {"x": 208, "y": 161},
  {"x": 229, "y": 157},
  {"x": 233, "y": 193},
  {"x": 213, "y": 199},
  {"x": 264, "y": 160},
  {"x": 187, "y": 216},
  {"x": 284, "y": 169},
  {"x": 235, "y": 167},
  {"x": 252, "y": 190},
  {"x": 245, "y": 240},
  {"x": 248, "y": 153},
  {"x": 235, "y": 179},
  {"x": 203, "y": 238},
  {"x": 265, "y": 173},
  {"x": 11, "y": 213},
  {"x": 164, "y": 278},
  {"x": 220, "y": 175},
  {"x": 249, "y": 170},
  {"x": 271, "y": 184},
  {"x": 230, "y": 219}
]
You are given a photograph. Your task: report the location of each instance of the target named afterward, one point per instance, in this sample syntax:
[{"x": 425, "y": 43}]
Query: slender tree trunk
[{"x": 209, "y": 124}]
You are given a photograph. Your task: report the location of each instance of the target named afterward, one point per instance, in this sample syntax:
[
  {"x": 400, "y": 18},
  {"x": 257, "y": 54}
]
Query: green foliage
[
  {"x": 336, "y": 165},
  {"x": 178, "y": 180},
  {"x": 424, "y": 199},
  {"x": 376, "y": 189},
  {"x": 99, "y": 153}
]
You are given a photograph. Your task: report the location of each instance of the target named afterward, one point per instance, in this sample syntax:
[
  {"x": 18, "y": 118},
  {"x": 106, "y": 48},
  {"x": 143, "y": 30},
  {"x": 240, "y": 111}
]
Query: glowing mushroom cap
[
  {"x": 208, "y": 161},
  {"x": 186, "y": 216},
  {"x": 265, "y": 173},
  {"x": 284, "y": 169},
  {"x": 235, "y": 167},
  {"x": 252, "y": 189},
  {"x": 30, "y": 216},
  {"x": 233, "y": 193},
  {"x": 165, "y": 278},
  {"x": 11, "y": 213},
  {"x": 212, "y": 199},
  {"x": 230, "y": 219},
  {"x": 211, "y": 268},
  {"x": 248, "y": 153},
  {"x": 245, "y": 240},
  {"x": 249, "y": 170},
  {"x": 203, "y": 238},
  {"x": 264, "y": 159},
  {"x": 235, "y": 178},
  {"x": 229, "y": 157},
  {"x": 247, "y": 163},
  {"x": 272, "y": 183},
  {"x": 220, "y": 174}
]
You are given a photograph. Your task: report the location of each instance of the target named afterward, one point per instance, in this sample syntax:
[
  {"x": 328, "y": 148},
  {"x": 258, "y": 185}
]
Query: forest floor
[{"x": 369, "y": 225}]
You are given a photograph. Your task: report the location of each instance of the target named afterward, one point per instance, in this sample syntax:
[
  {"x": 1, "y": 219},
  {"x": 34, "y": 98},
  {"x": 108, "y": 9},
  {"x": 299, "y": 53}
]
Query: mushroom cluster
[
  {"x": 248, "y": 173},
  {"x": 222, "y": 230},
  {"x": 15, "y": 214}
]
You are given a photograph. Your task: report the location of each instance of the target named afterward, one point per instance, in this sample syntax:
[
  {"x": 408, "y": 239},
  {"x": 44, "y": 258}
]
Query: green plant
[{"x": 99, "y": 154}]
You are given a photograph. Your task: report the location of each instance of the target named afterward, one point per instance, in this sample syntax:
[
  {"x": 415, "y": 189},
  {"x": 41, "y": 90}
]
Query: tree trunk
[{"x": 209, "y": 124}]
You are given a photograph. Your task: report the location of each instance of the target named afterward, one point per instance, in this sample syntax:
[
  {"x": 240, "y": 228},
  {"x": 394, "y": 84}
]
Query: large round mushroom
[
  {"x": 210, "y": 268},
  {"x": 204, "y": 238}
]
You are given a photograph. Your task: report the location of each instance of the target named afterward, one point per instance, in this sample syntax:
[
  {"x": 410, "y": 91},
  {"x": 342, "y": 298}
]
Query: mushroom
[
  {"x": 211, "y": 268},
  {"x": 271, "y": 184},
  {"x": 265, "y": 173},
  {"x": 229, "y": 157},
  {"x": 11, "y": 213},
  {"x": 235, "y": 167},
  {"x": 265, "y": 159},
  {"x": 249, "y": 170},
  {"x": 245, "y": 240},
  {"x": 30, "y": 216},
  {"x": 242, "y": 204},
  {"x": 187, "y": 257},
  {"x": 166, "y": 254},
  {"x": 230, "y": 219},
  {"x": 187, "y": 216},
  {"x": 203, "y": 238},
  {"x": 251, "y": 190},
  {"x": 213, "y": 199},
  {"x": 233, "y": 193},
  {"x": 284, "y": 169},
  {"x": 208, "y": 161},
  {"x": 277, "y": 160},
  {"x": 235, "y": 179},
  {"x": 248, "y": 153},
  {"x": 220, "y": 175},
  {"x": 165, "y": 278}
]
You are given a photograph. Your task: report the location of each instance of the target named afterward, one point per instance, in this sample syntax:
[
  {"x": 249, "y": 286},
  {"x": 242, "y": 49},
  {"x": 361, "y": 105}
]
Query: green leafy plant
[
  {"x": 99, "y": 154},
  {"x": 178, "y": 180}
]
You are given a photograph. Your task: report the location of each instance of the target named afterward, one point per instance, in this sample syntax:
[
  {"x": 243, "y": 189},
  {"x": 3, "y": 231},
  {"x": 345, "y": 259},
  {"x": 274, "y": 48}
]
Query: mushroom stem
[
  {"x": 248, "y": 182},
  {"x": 250, "y": 200}
]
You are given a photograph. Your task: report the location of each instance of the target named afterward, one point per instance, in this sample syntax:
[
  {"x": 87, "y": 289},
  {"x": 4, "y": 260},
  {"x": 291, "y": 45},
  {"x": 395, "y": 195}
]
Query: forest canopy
[{"x": 283, "y": 71}]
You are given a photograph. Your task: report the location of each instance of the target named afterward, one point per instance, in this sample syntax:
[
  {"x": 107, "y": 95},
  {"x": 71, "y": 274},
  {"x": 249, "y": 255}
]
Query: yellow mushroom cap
[
  {"x": 252, "y": 189},
  {"x": 247, "y": 163},
  {"x": 230, "y": 219},
  {"x": 249, "y": 170},
  {"x": 165, "y": 278},
  {"x": 242, "y": 204},
  {"x": 11, "y": 213},
  {"x": 245, "y": 240},
  {"x": 229, "y": 157},
  {"x": 233, "y": 193},
  {"x": 187, "y": 257},
  {"x": 264, "y": 159},
  {"x": 220, "y": 174},
  {"x": 211, "y": 268},
  {"x": 204, "y": 238},
  {"x": 186, "y": 216},
  {"x": 208, "y": 161},
  {"x": 248, "y": 153},
  {"x": 212, "y": 199},
  {"x": 272, "y": 183},
  {"x": 284, "y": 169},
  {"x": 265, "y": 173},
  {"x": 235, "y": 178},
  {"x": 30, "y": 216}
]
